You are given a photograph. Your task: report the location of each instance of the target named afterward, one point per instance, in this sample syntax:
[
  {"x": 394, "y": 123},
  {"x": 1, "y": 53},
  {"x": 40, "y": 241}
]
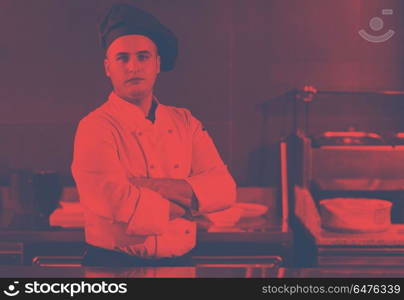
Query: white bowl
[
  {"x": 226, "y": 217},
  {"x": 250, "y": 210},
  {"x": 355, "y": 214}
]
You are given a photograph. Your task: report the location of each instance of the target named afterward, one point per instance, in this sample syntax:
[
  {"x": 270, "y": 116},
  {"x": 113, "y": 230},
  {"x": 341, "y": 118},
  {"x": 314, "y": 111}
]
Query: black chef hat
[{"x": 124, "y": 19}]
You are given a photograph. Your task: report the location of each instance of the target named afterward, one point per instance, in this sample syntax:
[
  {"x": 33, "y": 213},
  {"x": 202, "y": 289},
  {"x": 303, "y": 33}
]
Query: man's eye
[
  {"x": 122, "y": 58},
  {"x": 143, "y": 57}
]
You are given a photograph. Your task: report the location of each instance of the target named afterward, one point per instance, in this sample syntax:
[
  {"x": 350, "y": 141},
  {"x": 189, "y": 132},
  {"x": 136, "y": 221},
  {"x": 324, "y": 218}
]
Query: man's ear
[
  {"x": 106, "y": 67},
  {"x": 158, "y": 64}
]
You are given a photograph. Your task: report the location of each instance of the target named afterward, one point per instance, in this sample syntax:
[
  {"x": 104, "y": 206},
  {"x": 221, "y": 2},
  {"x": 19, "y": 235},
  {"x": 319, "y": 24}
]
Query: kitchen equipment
[
  {"x": 230, "y": 216},
  {"x": 399, "y": 138},
  {"x": 250, "y": 210},
  {"x": 21, "y": 192},
  {"x": 355, "y": 215},
  {"x": 68, "y": 215},
  {"x": 34, "y": 195},
  {"x": 351, "y": 165},
  {"x": 47, "y": 189},
  {"x": 226, "y": 217},
  {"x": 335, "y": 138}
]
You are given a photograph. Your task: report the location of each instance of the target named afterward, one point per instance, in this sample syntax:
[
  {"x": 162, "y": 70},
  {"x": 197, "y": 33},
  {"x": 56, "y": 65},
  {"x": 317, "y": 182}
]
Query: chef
[{"x": 143, "y": 169}]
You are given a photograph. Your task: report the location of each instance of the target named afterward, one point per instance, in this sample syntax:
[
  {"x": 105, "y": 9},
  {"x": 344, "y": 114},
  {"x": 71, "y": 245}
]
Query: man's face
[{"x": 132, "y": 63}]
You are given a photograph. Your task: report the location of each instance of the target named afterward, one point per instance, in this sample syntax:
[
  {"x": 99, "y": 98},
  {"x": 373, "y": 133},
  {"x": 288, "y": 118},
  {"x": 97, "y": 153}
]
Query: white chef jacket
[{"x": 116, "y": 142}]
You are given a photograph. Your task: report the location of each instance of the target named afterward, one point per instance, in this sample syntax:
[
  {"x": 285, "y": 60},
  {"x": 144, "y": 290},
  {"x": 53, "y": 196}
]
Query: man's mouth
[{"x": 135, "y": 80}]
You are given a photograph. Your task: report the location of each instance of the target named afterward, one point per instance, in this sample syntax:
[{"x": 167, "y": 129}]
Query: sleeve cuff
[
  {"x": 214, "y": 191},
  {"x": 151, "y": 214}
]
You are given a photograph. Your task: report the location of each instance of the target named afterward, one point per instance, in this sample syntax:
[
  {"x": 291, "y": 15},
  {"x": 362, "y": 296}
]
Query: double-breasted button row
[{"x": 176, "y": 166}]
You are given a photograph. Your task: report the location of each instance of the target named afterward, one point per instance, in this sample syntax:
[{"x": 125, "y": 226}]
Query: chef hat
[{"x": 124, "y": 19}]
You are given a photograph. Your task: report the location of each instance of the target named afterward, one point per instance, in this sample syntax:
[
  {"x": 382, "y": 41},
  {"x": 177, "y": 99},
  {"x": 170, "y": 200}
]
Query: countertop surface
[
  {"x": 249, "y": 237},
  {"x": 199, "y": 271},
  {"x": 267, "y": 228}
]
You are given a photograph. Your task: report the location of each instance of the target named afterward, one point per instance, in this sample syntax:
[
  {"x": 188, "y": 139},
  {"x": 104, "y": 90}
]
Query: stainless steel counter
[
  {"x": 249, "y": 237},
  {"x": 199, "y": 271}
]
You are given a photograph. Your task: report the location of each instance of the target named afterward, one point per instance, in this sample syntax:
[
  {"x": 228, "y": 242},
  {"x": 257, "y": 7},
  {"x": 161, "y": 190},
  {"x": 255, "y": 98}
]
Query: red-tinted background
[{"x": 234, "y": 54}]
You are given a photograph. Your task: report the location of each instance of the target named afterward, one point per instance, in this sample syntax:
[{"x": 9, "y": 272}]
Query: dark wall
[{"x": 234, "y": 55}]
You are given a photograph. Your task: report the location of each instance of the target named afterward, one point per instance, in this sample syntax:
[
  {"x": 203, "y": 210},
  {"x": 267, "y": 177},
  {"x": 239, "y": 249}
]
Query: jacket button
[
  {"x": 176, "y": 166},
  {"x": 151, "y": 166},
  {"x": 170, "y": 131}
]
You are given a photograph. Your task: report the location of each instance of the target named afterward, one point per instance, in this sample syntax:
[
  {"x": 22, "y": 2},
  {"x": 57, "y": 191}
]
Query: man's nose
[{"x": 134, "y": 64}]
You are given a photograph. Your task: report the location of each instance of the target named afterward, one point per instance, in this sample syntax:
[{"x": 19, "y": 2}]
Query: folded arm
[
  {"x": 210, "y": 187},
  {"x": 211, "y": 182},
  {"x": 178, "y": 191},
  {"x": 105, "y": 189}
]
